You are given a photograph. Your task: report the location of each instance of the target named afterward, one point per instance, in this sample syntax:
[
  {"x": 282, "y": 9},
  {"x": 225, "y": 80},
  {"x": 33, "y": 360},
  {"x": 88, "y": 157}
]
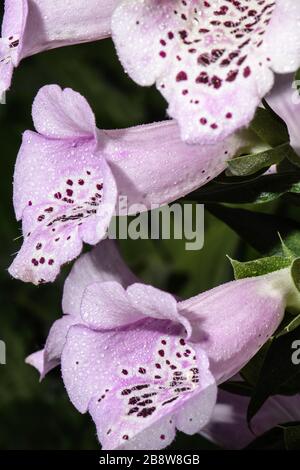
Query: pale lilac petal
[
  {"x": 152, "y": 165},
  {"x": 48, "y": 358},
  {"x": 132, "y": 379},
  {"x": 36, "y": 360},
  {"x": 228, "y": 425},
  {"x": 211, "y": 63},
  {"x": 64, "y": 192},
  {"x": 13, "y": 27},
  {"x": 11, "y": 42},
  {"x": 63, "y": 114},
  {"x": 54, "y": 23},
  {"x": 107, "y": 305},
  {"x": 68, "y": 138},
  {"x": 227, "y": 321},
  {"x": 282, "y": 41},
  {"x": 155, "y": 303},
  {"x": 60, "y": 190},
  {"x": 32, "y": 26},
  {"x": 285, "y": 101},
  {"x": 102, "y": 264},
  {"x": 66, "y": 182},
  {"x": 6, "y": 70}
]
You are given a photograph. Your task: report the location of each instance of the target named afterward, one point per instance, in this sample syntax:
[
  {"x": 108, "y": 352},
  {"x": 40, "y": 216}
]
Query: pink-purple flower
[
  {"x": 144, "y": 364},
  {"x": 212, "y": 61},
  {"x": 32, "y": 26},
  {"x": 68, "y": 175}
]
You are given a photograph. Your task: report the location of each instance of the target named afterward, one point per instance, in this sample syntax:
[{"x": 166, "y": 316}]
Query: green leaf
[
  {"x": 259, "y": 267},
  {"x": 289, "y": 324},
  {"x": 282, "y": 437},
  {"x": 270, "y": 127},
  {"x": 258, "y": 190},
  {"x": 251, "y": 164},
  {"x": 291, "y": 436},
  {"x": 238, "y": 388},
  {"x": 295, "y": 271}
]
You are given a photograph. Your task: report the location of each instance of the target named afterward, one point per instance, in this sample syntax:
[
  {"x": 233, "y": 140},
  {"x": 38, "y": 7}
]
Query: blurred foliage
[{"x": 40, "y": 416}]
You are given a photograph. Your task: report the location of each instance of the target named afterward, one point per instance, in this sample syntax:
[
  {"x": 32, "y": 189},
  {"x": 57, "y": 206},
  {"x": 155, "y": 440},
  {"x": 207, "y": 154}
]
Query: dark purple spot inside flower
[
  {"x": 247, "y": 72},
  {"x": 181, "y": 76},
  {"x": 146, "y": 412}
]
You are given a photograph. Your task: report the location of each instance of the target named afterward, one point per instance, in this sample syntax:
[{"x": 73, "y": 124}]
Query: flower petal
[
  {"x": 102, "y": 264},
  {"x": 13, "y": 27},
  {"x": 33, "y": 26},
  {"x": 282, "y": 41},
  {"x": 227, "y": 321},
  {"x": 6, "y": 71},
  {"x": 284, "y": 99},
  {"x": 156, "y": 303},
  {"x": 48, "y": 358},
  {"x": 64, "y": 178},
  {"x": 142, "y": 387},
  {"x": 63, "y": 114},
  {"x": 55, "y": 24},
  {"x": 70, "y": 196},
  {"x": 11, "y": 42},
  {"x": 36, "y": 360},
  {"x": 211, "y": 63},
  {"x": 107, "y": 305},
  {"x": 153, "y": 166}
]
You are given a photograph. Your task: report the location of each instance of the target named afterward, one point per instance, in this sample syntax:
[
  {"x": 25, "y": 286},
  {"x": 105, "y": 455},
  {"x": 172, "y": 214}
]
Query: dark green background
[{"x": 40, "y": 416}]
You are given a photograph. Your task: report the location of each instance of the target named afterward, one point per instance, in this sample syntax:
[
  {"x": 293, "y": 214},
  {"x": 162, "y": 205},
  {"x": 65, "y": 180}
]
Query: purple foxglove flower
[
  {"x": 228, "y": 426},
  {"x": 144, "y": 364},
  {"x": 32, "y": 26},
  {"x": 212, "y": 61},
  {"x": 285, "y": 101},
  {"x": 68, "y": 175}
]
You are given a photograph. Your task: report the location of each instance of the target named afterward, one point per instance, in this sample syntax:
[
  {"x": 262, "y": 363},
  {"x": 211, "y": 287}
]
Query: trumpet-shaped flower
[
  {"x": 32, "y": 26},
  {"x": 68, "y": 175},
  {"x": 144, "y": 364},
  {"x": 213, "y": 61}
]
